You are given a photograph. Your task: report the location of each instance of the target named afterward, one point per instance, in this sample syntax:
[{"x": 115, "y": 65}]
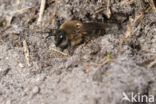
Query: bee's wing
[{"x": 93, "y": 28}]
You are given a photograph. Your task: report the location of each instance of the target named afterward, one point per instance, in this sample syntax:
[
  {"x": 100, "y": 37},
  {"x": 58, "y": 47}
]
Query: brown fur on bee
[{"x": 73, "y": 33}]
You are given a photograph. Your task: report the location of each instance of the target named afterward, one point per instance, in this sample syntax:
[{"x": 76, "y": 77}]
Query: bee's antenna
[{"x": 51, "y": 32}]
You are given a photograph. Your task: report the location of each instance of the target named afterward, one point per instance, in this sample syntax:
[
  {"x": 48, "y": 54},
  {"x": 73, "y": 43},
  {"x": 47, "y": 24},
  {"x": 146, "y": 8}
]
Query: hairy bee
[{"x": 74, "y": 32}]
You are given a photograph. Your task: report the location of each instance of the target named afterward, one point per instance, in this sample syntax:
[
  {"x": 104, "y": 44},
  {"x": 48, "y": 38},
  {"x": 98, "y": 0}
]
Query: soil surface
[{"x": 123, "y": 60}]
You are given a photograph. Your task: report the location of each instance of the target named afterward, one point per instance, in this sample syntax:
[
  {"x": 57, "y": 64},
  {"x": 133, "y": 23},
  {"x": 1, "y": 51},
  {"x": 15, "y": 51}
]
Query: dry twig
[
  {"x": 42, "y": 7},
  {"x": 124, "y": 3},
  {"x": 65, "y": 54},
  {"x": 26, "y": 52},
  {"x": 105, "y": 62},
  {"x": 152, "y": 64},
  {"x": 9, "y": 20},
  {"x": 100, "y": 10},
  {"x": 21, "y": 11},
  {"x": 108, "y": 12},
  {"x": 151, "y": 3},
  {"x": 131, "y": 24}
]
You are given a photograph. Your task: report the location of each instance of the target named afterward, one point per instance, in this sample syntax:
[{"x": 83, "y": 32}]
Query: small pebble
[
  {"x": 21, "y": 65},
  {"x": 35, "y": 90},
  {"x": 8, "y": 102}
]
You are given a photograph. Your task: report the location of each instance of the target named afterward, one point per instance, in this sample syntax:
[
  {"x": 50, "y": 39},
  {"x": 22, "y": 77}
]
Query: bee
[{"x": 74, "y": 32}]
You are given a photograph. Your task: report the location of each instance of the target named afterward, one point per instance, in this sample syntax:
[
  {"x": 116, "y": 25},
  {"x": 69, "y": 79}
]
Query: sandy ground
[{"x": 122, "y": 60}]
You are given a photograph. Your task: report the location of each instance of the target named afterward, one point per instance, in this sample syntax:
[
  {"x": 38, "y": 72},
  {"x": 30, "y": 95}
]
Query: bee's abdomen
[{"x": 94, "y": 28}]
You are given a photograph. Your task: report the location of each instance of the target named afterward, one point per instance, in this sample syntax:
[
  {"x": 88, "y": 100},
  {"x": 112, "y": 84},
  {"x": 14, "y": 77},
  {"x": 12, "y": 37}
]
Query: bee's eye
[
  {"x": 60, "y": 38},
  {"x": 61, "y": 35}
]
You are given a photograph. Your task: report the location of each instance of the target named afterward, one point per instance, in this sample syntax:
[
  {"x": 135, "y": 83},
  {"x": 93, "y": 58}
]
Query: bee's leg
[
  {"x": 70, "y": 49},
  {"x": 73, "y": 43},
  {"x": 86, "y": 39},
  {"x": 77, "y": 40},
  {"x": 49, "y": 35},
  {"x": 64, "y": 47}
]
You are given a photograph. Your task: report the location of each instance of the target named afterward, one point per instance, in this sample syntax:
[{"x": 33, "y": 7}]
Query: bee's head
[{"x": 61, "y": 39}]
